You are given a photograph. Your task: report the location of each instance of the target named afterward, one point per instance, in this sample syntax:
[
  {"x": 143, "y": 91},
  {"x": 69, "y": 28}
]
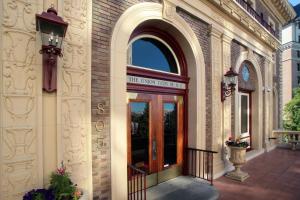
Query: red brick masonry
[{"x": 273, "y": 176}]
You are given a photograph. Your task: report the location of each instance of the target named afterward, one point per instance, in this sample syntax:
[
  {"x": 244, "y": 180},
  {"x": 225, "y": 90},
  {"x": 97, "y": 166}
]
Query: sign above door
[{"x": 155, "y": 82}]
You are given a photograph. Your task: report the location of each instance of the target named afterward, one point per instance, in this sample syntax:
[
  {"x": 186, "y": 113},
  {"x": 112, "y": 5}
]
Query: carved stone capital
[
  {"x": 214, "y": 32},
  {"x": 169, "y": 10},
  {"x": 226, "y": 38}
]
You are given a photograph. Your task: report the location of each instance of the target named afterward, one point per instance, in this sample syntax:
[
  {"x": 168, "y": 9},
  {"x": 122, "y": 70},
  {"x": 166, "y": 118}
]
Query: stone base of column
[{"x": 237, "y": 175}]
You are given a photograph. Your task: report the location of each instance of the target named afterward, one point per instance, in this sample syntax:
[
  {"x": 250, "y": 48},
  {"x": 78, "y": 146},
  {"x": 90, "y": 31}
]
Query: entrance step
[{"x": 183, "y": 188}]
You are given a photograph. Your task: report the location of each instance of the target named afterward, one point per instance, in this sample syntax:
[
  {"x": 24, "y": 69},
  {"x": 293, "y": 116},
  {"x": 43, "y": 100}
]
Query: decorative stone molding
[
  {"x": 282, "y": 9},
  {"x": 20, "y": 139},
  {"x": 73, "y": 94},
  {"x": 232, "y": 8},
  {"x": 169, "y": 10}
]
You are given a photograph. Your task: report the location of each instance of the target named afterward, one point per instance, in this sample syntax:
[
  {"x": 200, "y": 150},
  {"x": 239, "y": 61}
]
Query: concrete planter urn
[{"x": 238, "y": 158}]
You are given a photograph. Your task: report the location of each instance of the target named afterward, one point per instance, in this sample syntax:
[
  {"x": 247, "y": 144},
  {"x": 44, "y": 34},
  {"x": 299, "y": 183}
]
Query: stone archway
[
  {"x": 133, "y": 17},
  {"x": 257, "y": 101}
]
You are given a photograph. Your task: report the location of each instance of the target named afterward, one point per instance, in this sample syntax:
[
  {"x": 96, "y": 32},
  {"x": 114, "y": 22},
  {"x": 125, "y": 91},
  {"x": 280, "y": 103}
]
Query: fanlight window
[{"x": 152, "y": 53}]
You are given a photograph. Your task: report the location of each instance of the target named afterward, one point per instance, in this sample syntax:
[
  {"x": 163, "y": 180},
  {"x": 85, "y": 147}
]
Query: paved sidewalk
[
  {"x": 183, "y": 188},
  {"x": 273, "y": 176}
]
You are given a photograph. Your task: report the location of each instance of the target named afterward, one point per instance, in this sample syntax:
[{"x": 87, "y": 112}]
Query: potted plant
[
  {"x": 61, "y": 188},
  {"x": 237, "y": 157}
]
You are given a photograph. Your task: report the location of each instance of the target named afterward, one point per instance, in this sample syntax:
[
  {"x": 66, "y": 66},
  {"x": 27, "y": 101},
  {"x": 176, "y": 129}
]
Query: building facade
[
  {"x": 291, "y": 56},
  {"x": 139, "y": 81}
]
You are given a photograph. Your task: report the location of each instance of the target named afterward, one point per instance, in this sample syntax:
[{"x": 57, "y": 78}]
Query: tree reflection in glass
[
  {"x": 170, "y": 134},
  {"x": 140, "y": 134}
]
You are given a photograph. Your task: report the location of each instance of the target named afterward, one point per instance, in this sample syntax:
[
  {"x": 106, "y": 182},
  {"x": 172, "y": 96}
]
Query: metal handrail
[
  {"x": 136, "y": 183},
  {"x": 199, "y": 163},
  {"x": 253, "y": 12}
]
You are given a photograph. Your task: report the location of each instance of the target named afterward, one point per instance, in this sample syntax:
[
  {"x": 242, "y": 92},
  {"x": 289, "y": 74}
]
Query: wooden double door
[{"x": 155, "y": 135}]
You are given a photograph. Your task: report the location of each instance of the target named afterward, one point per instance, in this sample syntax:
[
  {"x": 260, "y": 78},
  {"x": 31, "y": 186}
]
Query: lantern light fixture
[
  {"x": 229, "y": 83},
  {"x": 53, "y": 30}
]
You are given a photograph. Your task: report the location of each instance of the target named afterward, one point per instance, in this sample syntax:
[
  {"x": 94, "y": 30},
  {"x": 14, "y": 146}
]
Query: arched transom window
[{"x": 152, "y": 53}]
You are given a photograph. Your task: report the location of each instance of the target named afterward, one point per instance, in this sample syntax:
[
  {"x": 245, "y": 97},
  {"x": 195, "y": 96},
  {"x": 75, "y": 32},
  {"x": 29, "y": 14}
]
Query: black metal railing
[
  {"x": 199, "y": 163},
  {"x": 257, "y": 16},
  {"x": 136, "y": 183}
]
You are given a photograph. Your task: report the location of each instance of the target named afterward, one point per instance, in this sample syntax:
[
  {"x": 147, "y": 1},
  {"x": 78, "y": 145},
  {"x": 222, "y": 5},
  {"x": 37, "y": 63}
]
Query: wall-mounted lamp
[
  {"x": 229, "y": 83},
  {"x": 53, "y": 30}
]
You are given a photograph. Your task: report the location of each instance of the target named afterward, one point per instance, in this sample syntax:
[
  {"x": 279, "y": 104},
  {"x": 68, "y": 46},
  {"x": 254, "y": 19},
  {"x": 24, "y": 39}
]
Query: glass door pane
[
  {"x": 170, "y": 134},
  {"x": 140, "y": 135},
  {"x": 244, "y": 114},
  {"x": 244, "y": 105}
]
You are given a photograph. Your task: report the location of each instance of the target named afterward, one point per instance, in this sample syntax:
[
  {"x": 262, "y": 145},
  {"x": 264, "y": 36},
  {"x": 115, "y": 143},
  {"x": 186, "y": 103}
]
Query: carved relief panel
[
  {"x": 20, "y": 168},
  {"x": 74, "y": 88}
]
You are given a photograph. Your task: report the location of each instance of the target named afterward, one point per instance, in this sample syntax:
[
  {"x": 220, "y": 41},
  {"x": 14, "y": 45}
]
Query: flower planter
[{"x": 237, "y": 157}]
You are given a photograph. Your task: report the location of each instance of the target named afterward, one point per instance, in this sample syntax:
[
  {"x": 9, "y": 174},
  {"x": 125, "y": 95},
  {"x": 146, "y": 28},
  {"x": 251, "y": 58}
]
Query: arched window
[
  {"x": 152, "y": 53},
  {"x": 245, "y": 72}
]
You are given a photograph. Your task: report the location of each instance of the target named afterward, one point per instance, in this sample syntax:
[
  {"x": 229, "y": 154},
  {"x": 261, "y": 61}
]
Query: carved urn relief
[{"x": 238, "y": 158}]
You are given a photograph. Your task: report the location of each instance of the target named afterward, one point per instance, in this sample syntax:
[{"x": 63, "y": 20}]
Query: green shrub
[{"x": 291, "y": 117}]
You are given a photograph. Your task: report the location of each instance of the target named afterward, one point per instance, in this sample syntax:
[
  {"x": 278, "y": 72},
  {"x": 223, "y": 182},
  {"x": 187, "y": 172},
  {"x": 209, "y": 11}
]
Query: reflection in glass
[
  {"x": 244, "y": 114},
  {"x": 140, "y": 134},
  {"x": 170, "y": 134},
  {"x": 153, "y": 54}
]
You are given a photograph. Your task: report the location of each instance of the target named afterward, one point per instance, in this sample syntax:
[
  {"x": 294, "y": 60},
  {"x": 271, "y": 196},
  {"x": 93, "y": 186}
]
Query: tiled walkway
[{"x": 273, "y": 176}]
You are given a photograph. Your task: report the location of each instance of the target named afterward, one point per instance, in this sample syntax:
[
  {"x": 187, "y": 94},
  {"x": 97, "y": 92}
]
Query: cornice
[
  {"x": 282, "y": 9},
  {"x": 232, "y": 8},
  {"x": 291, "y": 45}
]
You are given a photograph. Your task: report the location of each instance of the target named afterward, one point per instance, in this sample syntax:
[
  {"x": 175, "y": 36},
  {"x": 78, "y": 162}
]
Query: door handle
[{"x": 154, "y": 150}]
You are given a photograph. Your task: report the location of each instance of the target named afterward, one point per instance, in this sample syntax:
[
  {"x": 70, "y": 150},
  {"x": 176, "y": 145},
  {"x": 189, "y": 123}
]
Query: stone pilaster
[
  {"x": 74, "y": 93},
  {"x": 216, "y": 105},
  {"x": 227, "y": 110},
  {"x": 226, "y": 64},
  {"x": 21, "y": 165},
  {"x": 266, "y": 97}
]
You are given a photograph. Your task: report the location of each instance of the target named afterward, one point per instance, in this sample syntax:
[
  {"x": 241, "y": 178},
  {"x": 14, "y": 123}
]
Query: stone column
[
  {"x": 21, "y": 163},
  {"x": 216, "y": 105}
]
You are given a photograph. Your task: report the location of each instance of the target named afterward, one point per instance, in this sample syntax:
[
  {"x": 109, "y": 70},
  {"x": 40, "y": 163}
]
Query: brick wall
[
  {"x": 236, "y": 50},
  {"x": 261, "y": 62},
  {"x": 105, "y": 15},
  {"x": 201, "y": 30}
]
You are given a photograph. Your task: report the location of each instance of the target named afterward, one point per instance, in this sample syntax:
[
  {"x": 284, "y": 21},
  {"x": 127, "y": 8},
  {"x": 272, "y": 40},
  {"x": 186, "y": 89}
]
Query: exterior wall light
[
  {"x": 53, "y": 30},
  {"x": 229, "y": 83}
]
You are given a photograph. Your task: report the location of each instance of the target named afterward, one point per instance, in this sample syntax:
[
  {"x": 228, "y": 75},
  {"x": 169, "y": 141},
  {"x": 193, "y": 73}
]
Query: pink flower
[
  {"x": 77, "y": 193},
  {"x": 62, "y": 169}
]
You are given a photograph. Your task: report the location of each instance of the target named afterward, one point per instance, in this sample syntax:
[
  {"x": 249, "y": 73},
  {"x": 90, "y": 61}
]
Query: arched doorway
[
  {"x": 128, "y": 22},
  {"x": 250, "y": 92},
  {"x": 157, "y": 86},
  {"x": 246, "y": 88}
]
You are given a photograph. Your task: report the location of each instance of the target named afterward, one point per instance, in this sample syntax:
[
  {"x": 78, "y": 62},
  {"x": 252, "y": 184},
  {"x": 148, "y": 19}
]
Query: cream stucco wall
[{"x": 39, "y": 130}]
